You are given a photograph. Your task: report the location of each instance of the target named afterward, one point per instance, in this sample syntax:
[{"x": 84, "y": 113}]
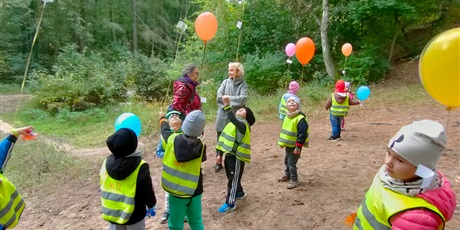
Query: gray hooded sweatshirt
[{"x": 237, "y": 89}]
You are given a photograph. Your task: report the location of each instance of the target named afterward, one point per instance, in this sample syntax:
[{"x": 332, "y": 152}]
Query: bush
[
  {"x": 80, "y": 82},
  {"x": 366, "y": 66},
  {"x": 262, "y": 72}
]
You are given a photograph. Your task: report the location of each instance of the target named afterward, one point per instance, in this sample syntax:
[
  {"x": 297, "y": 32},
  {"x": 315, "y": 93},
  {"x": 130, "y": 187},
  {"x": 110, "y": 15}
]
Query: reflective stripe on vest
[
  {"x": 179, "y": 178},
  {"x": 11, "y": 203},
  {"x": 117, "y": 196},
  {"x": 283, "y": 108},
  {"x": 381, "y": 204},
  {"x": 288, "y": 134},
  {"x": 231, "y": 141},
  {"x": 339, "y": 109}
]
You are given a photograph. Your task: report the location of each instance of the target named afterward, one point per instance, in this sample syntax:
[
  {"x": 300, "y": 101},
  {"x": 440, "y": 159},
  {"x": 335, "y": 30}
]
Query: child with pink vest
[{"x": 408, "y": 192}]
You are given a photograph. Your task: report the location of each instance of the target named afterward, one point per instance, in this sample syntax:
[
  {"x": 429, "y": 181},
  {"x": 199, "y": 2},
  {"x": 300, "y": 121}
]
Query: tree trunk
[
  {"x": 328, "y": 62},
  {"x": 392, "y": 46},
  {"x": 134, "y": 27}
]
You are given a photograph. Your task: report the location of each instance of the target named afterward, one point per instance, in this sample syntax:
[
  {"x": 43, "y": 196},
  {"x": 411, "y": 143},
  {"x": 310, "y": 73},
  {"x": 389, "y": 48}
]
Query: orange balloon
[
  {"x": 206, "y": 26},
  {"x": 346, "y": 49},
  {"x": 304, "y": 50}
]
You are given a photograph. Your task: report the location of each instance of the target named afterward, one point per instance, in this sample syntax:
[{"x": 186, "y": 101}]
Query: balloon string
[
  {"x": 301, "y": 76},
  {"x": 202, "y": 64},
  {"x": 30, "y": 56},
  {"x": 345, "y": 66},
  {"x": 239, "y": 37}
]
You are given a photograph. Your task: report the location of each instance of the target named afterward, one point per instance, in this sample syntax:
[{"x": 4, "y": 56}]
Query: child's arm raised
[{"x": 240, "y": 125}]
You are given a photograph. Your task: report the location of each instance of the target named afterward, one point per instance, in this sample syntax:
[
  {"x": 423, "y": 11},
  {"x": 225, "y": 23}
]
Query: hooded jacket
[
  {"x": 420, "y": 219},
  {"x": 186, "y": 99},
  {"x": 120, "y": 165},
  {"x": 237, "y": 89}
]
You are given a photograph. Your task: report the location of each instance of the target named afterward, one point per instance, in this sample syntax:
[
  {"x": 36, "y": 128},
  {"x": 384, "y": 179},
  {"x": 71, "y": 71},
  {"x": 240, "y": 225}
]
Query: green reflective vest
[
  {"x": 231, "y": 141},
  {"x": 288, "y": 134},
  {"x": 381, "y": 204},
  {"x": 117, "y": 196},
  {"x": 11, "y": 203},
  {"x": 339, "y": 109},
  {"x": 179, "y": 178}
]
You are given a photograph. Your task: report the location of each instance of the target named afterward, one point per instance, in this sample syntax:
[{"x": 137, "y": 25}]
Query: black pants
[
  {"x": 234, "y": 169},
  {"x": 290, "y": 161}
]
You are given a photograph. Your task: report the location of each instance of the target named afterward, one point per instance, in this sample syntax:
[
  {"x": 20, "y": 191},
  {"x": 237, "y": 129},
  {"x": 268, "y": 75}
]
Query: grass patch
[
  {"x": 35, "y": 165},
  {"x": 6, "y": 88}
]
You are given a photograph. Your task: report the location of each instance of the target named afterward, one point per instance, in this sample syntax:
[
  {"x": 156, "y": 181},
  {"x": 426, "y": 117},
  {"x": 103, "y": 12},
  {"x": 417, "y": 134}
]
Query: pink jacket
[{"x": 419, "y": 219}]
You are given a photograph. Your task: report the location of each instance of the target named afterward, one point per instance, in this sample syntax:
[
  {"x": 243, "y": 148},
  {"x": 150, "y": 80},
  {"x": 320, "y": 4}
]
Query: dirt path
[{"x": 334, "y": 176}]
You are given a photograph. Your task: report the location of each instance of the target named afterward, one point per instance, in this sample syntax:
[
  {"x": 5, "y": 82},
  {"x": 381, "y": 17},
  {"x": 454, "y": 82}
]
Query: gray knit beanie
[
  {"x": 421, "y": 142},
  {"x": 194, "y": 123}
]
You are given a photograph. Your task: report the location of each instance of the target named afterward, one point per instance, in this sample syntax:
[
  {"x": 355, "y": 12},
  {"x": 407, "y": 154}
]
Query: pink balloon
[{"x": 290, "y": 49}]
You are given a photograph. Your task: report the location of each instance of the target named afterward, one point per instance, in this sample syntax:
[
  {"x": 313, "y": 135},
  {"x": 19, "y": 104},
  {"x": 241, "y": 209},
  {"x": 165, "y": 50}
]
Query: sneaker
[
  {"x": 164, "y": 218},
  {"x": 226, "y": 208},
  {"x": 292, "y": 184},
  {"x": 334, "y": 138},
  {"x": 283, "y": 179},
  {"x": 185, "y": 219},
  {"x": 218, "y": 167},
  {"x": 241, "y": 196}
]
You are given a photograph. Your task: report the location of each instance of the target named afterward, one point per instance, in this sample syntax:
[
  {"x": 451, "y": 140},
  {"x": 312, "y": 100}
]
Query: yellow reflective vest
[
  {"x": 11, "y": 203},
  {"x": 179, "y": 178},
  {"x": 339, "y": 109},
  {"x": 231, "y": 141},
  {"x": 288, "y": 134},
  {"x": 381, "y": 204},
  {"x": 283, "y": 108},
  {"x": 117, "y": 196}
]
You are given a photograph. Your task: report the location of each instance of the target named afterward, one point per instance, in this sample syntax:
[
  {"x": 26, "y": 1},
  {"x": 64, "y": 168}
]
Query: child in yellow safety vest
[
  {"x": 408, "y": 192},
  {"x": 338, "y": 104},
  {"x": 127, "y": 194},
  {"x": 181, "y": 175},
  {"x": 294, "y": 135},
  {"x": 235, "y": 142},
  {"x": 292, "y": 92},
  {"x": 175, "y": 124},
  {"x": 11, "y": 202}
]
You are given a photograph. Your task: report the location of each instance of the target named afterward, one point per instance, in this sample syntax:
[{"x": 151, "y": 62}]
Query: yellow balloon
[{"x": 439, "y": 68}]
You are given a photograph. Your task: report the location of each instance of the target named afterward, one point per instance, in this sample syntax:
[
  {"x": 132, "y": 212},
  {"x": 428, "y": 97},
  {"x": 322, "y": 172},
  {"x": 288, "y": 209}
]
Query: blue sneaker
[{"x": 226, "y": 208}]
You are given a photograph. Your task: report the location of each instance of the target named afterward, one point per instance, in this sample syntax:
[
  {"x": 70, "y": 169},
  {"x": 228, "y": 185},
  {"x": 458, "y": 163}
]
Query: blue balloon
[
  {"x": 363, "y": 93},
  {"x": 129, "y": 121}
]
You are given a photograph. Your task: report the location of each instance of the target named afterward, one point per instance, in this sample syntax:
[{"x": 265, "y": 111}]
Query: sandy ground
[{"x": 334, "y": 176}]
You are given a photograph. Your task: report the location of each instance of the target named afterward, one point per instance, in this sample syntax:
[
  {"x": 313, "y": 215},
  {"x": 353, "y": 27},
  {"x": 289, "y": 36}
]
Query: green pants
[{"x": 181, "y": 207}]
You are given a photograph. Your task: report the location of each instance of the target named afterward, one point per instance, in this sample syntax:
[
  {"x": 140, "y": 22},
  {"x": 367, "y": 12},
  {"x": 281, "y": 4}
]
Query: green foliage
[
  {"x": 68, "y": 88},
  {"x": 150, "y": 78},
  {"x": 262, "y": 72},
  {"x": 366, "y": 66}
]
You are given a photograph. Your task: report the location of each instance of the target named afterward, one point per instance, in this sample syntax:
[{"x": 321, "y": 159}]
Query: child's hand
[
  {"x": 25, "y": 131},
  {"x": 226, "y": 100},
  {"x": 161, "y": 114},
  {"x": 297, "y": 150}
]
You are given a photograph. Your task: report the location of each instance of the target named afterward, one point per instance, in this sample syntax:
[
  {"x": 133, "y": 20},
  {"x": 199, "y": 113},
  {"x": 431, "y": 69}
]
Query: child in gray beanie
[
  {"x": 181, "y": 176},
  {"x": 408, "y": 192}
]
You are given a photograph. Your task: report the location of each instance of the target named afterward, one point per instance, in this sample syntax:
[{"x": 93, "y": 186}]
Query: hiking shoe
[
  {"x": 292, "y": 184},
  {"x": 226, "y": 208},
  {"x": 218, "y": 167},
  {"x": 164, "y": 218},
  {"x": 241, "y": 196},
  {"x": 283, "y": 179}
]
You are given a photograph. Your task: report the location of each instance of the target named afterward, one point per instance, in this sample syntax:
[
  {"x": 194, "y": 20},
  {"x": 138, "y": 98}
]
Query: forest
[{"x": 137, "y": 47}]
